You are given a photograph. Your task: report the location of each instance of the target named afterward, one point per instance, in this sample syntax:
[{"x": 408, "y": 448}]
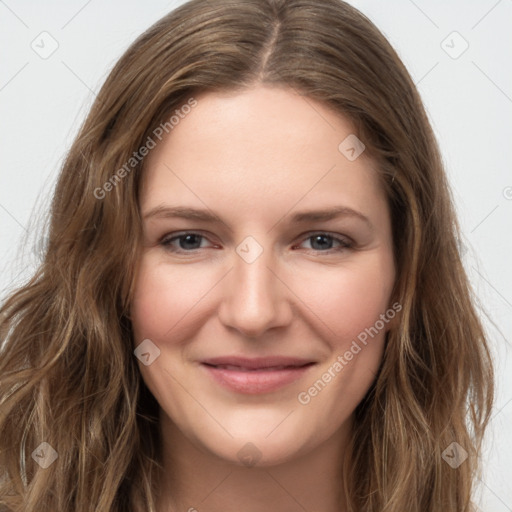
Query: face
[{"x": 260, "y": 315}]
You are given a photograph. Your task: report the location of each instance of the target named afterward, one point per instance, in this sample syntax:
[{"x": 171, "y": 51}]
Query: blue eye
[
  {"x": 189, "y": 242},
  {"x": 322, "y": 240}
]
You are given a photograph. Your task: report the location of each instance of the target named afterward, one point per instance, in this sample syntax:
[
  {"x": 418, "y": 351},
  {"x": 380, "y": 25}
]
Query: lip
[{"x": 256, "y": 375}]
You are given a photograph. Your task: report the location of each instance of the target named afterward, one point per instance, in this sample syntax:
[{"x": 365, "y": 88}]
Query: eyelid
[
  {"x": 344, "y": 241},
  {"x": 178, "y": 234}
]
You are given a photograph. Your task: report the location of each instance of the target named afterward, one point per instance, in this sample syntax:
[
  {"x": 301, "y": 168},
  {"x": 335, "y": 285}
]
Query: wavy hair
[{"x": 67, "y": 372}]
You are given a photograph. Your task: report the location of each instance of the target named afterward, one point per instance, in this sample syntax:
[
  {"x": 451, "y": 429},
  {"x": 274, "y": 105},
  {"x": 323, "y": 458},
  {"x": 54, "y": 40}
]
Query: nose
[{"x": 255, "y": 298}]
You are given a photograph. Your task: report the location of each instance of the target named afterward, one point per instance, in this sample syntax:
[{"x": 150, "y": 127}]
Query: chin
[{"x": 258, "y": 447}]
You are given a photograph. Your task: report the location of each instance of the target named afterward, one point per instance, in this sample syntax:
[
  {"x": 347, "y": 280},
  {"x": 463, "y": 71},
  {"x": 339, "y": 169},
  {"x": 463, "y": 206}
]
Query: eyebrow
[{"x": 166, "y": 212}]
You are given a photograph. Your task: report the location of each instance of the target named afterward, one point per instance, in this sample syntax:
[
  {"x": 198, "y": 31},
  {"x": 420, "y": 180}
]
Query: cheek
[
  {"x": 166, "y": 309},
  {"x": 166, "y": 298},
  {"x": 350, "y": 303},
  {"x": 348, "y": 300}
]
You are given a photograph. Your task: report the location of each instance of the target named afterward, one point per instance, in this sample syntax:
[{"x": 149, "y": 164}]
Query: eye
[
  {"x": 186, "y": 242},
  {"x": 190, "y": 241},
  {"x": 323, "y": 242}
]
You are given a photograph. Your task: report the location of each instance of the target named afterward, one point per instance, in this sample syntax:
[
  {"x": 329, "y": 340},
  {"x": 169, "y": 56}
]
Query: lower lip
[{"x": 256, "y": 381}]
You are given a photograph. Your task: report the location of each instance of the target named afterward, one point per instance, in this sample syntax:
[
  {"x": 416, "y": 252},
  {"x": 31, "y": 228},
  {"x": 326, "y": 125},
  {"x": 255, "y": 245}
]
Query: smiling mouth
[
  {"x": 260, "y": 369},
  {"x": 255, "y": 378}
]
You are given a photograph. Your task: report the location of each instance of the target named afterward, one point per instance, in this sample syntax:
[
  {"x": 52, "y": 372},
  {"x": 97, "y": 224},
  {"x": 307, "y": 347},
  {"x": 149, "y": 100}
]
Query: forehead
[{"x": 264, "y": 149}]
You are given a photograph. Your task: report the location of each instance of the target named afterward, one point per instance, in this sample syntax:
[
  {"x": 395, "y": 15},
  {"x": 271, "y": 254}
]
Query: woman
[{"x": 258, "y": 368}]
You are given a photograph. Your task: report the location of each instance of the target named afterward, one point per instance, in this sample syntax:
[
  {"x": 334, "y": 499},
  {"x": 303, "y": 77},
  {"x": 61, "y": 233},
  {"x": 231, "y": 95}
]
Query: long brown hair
[{"x": 67, "y": 372}]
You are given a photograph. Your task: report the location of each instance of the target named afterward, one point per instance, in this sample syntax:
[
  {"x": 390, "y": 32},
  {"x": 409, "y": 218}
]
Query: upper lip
[{"x": 257, "y": 362}]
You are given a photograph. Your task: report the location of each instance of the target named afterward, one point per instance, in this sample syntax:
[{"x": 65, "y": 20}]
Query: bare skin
[{"x": 299, "y": 289}]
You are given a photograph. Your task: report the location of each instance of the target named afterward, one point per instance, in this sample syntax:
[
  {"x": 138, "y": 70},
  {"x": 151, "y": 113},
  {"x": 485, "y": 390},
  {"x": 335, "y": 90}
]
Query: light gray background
[{"x": 469, "y": 100}]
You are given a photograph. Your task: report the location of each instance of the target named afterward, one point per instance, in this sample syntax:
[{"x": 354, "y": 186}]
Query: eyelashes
[
  {"x": 189, "y": 237},
  {"x": 181, "y": 243}
]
